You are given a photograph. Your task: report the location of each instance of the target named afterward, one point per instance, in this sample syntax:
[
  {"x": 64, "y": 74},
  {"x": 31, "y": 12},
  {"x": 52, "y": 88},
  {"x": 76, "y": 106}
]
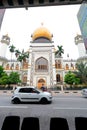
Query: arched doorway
[
  {"x": 24, "y": 79},
  {"x": 40, "y": 82},
  {"x": 58, "y": 78}
]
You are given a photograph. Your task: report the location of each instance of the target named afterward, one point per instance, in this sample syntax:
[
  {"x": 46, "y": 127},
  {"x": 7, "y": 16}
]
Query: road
[{"x": 65, "y": 106}]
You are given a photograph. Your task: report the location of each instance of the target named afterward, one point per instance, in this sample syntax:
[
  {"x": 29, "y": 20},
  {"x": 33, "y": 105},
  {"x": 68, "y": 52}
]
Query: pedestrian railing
[{"x": 53, "y": 92}]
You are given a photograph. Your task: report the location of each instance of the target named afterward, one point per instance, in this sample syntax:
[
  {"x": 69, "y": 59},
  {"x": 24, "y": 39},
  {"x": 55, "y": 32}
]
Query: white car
[
  {"x": 84, "y": 92},
  {"x": 30, "y": 94}
]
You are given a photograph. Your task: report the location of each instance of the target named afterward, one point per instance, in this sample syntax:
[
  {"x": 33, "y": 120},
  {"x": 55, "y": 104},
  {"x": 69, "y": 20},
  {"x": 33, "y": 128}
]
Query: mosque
[{"x": 42, "y": 66}]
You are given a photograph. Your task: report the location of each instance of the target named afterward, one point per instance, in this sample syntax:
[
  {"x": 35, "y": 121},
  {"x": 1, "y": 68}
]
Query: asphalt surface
[{"x": 64, "y": 105}]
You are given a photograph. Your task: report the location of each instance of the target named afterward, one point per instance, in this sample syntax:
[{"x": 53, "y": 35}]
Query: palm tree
[
  {"x": 60, "y": 51},
  {"x": 12, "y": 50},
  {"x": 82, "y": 72},
  {"x": 17, "y": 53},
  {"x": 23, "y": 56}
]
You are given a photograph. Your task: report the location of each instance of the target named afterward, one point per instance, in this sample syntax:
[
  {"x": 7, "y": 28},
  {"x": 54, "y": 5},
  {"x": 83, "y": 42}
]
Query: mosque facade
[{"x": 42, "y": 66}]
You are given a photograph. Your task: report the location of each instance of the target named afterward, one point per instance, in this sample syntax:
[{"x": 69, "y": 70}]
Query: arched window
[
  {"x": 41, "y": 65},
  {"x": 7, "y": 67},
  {"x": 17, "y": 67},
  {"x": 25, "y": 65},
  {"x": 67, "y": 66},
  {"x": 72, "y": 66},
  {"x": 58, "y": 78},
  {"x": 58, "y": 64},
  {"x": 12, "y": 66},
  {"x": 76, "y": 66},
  {"x": 24, "y": 79}
]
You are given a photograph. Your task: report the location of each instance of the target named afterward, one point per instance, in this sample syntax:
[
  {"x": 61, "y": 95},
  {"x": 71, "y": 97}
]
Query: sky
[{"x": 61, "y": 21}]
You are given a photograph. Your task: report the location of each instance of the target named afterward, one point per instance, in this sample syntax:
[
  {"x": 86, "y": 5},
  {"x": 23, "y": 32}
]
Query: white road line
[
  {"x": 13, "y": 107},
  {"x": 69, "y": 98},
  {"x": 69, "y": 108}
]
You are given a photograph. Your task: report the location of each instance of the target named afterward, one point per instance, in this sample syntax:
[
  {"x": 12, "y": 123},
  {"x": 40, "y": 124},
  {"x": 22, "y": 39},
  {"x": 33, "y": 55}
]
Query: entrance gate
[{"x": 40, "y": 82}]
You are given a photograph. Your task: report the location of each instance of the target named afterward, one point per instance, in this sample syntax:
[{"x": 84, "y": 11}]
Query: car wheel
[
  {"x": 44, "y": 101},
  {"x": 15, "y": 101}
]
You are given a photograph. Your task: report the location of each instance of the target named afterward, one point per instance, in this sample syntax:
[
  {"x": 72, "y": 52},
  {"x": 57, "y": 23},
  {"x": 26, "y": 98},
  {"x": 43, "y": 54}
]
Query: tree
[
  {"x": 70, "y": 78},
  {"x": 12, "y": 50},
  {"x": 14, "y": 78},
  {"x": 23, "y": 56},
  {"x": 4, "y": 79},
  {"x": 17, "y": 53},
  {"x": 82, "y": 72},
  {"x": 60, "y": 51},
  {"x": 1, "y": 71},
  {"x": 3, "y": 76}
]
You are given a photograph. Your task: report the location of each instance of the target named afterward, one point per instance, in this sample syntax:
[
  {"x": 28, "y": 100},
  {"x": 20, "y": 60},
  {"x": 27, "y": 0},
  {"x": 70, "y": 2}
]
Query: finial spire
[{"x": 42, "y": 24}]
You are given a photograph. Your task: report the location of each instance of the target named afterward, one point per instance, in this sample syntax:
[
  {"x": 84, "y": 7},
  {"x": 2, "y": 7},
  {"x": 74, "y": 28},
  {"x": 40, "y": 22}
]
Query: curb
[
  {"x": 66, "y": 92},
  {"x": 53, "y": 92}
]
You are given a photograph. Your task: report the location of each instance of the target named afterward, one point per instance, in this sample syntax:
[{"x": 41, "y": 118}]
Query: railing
[{"x": 54, "y": 93}]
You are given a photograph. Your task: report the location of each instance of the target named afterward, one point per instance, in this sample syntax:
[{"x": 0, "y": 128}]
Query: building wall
[
  {"x": 2, "y": 12},
  {"x": 37, "y": 51},
  {"x": 82, "y": 19},
  {"x": 25, "y": 72}
]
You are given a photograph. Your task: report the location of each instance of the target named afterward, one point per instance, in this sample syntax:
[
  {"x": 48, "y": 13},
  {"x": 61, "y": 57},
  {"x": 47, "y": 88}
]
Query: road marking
[
  {"x": 13, "y": 107},
  {"x": 69, "y": 98},
  {"x": 69, "y": 108}
]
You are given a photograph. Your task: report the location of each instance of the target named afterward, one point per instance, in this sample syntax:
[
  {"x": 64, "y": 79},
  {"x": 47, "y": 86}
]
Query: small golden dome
[{"x": 41, "y": 32}]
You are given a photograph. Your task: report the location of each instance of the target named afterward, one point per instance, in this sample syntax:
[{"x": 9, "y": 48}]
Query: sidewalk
[
  {"x": 66, "y": 92},
  {"x": 54, "y": 93}
]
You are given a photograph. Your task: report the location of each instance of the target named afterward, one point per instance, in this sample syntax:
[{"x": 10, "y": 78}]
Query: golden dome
[{"x": 41, "y": 32}]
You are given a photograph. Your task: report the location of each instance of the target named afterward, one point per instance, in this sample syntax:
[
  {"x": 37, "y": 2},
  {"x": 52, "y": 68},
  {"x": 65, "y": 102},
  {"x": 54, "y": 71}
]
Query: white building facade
[
  {"x": 42, "y": 66},
  {"x": 41, "y": 69}
]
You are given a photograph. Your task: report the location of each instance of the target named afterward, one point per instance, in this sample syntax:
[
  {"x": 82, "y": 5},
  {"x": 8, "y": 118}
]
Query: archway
[{"x": 40, "y": 82}]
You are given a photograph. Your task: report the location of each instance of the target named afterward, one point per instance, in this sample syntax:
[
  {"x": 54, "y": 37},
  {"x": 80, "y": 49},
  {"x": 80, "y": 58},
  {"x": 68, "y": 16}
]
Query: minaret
[
  {"x": 81, "y": 47},
  {"x": 5, "y": 41}
]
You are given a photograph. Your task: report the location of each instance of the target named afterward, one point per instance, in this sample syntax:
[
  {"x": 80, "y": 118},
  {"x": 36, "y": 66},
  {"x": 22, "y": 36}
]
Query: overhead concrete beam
[{"x": 36, "y": 3}]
